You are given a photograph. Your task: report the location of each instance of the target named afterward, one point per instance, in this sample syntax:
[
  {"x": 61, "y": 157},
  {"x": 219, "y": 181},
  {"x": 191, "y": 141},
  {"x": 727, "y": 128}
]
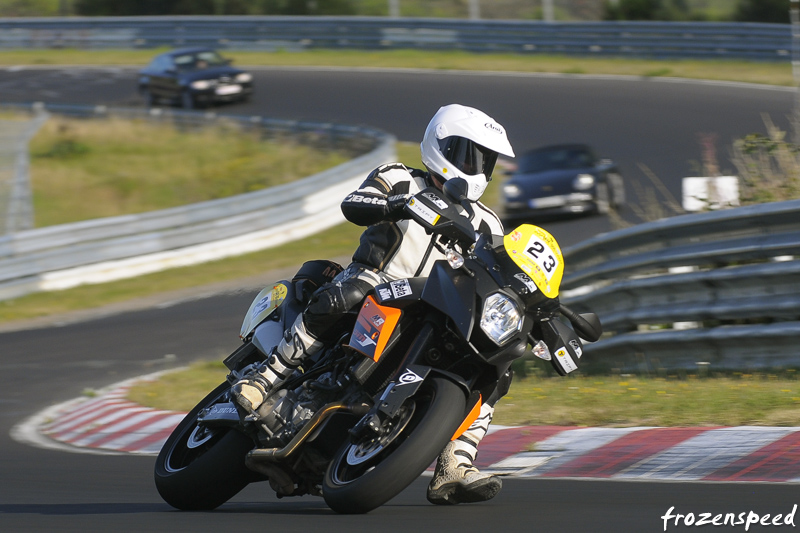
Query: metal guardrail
[
  {"x": 115, "y": 247},
  {"x": 720, "y": 290},
  {"x": 619, "y": 38}
]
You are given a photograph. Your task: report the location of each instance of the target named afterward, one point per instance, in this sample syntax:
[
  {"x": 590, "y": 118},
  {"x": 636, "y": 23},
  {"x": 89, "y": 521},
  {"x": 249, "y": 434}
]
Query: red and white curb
[
  {"x": 108, "y": 423},
  {"x": 105, "y": 423}
]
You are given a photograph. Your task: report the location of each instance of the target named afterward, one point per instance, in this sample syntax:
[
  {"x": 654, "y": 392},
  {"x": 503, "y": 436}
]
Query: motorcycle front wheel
[
  {"x": 366, "y": 474},
  {"x": 199, "y": 469}
]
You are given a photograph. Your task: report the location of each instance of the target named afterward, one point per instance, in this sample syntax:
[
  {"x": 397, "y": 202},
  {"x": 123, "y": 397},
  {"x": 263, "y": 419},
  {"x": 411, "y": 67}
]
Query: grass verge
[
  {"x": 334, "y": 242},
  {"x": 772, "y": 73},
  {"x": 610, "y": 401},
  {"x": 86, "y": 169}
]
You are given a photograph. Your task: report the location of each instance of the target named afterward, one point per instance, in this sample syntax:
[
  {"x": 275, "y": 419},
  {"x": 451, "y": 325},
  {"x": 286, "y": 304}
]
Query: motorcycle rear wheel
[
  {"x": 199, "y": 470},
  {"x": 366, "y": 474}
]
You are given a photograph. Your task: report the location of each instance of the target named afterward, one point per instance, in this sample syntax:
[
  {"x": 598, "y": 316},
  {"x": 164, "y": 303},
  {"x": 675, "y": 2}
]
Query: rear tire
[
  {"x": 200, "y": 473},
  {"x": 367, "y": 474}
]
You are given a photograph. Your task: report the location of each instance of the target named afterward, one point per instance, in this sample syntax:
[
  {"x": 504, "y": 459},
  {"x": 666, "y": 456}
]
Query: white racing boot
[
  {"x": 254, "y": 387},
  {"x": 455, "y": 479}
]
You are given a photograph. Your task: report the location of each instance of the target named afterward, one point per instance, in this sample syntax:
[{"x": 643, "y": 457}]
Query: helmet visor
[{"x": 468, "y": 156}]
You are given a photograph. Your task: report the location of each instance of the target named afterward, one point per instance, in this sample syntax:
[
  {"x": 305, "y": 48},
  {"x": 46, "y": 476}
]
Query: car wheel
[{"x": 187, "y": 100}]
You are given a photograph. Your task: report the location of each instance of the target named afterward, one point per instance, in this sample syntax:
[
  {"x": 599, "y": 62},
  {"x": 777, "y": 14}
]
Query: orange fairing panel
[
  {"x": 374, "y": 328},
  {"x": 471, "y": 417}
]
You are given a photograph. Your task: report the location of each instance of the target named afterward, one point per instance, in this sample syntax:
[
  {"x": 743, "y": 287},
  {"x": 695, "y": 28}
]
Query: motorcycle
[{"x": 371, "y": 411}]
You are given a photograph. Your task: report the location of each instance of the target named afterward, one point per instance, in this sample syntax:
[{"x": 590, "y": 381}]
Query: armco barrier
[
  {"x": 717, "y": 290},
  {"x": 755, "y": 41},
  {"x": 110, "y": 248}
]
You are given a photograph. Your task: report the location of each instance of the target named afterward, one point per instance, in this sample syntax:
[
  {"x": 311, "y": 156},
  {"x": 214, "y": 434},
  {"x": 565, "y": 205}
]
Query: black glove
[{"x": 396, "y": 206}]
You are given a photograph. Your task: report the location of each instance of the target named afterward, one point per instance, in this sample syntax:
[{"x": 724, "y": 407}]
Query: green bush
[
  {"x": 650, "y": 10},
  {"x": 762, "y": 11}
]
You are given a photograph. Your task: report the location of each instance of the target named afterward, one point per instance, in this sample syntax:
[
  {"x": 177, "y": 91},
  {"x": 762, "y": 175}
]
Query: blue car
[
  {"x": 193, "y": 77},
  {"x": 566, "y": 179}
]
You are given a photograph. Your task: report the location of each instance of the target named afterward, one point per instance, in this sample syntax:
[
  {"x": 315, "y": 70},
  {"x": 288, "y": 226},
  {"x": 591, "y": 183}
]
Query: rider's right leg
[
  {"x": 304, "y": 338},
  {"x": 297, "y": 344}
]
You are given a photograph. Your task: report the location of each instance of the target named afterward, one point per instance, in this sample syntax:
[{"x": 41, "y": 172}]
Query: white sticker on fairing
[
  {"x": 566, "y": 361},
  {"x": 529, "y": 284},
  {"x": 408, "y": 377},
  {"x": 544, "y": 256},
  {"x": 436, "y": 200},
  {"x": 423, "y": 211},
  {"x": 363, "y": 340},
  {"x": 385, "y": 294},
  {"x": 576, "y": 347},
  {"x": 400, "y": 288}
]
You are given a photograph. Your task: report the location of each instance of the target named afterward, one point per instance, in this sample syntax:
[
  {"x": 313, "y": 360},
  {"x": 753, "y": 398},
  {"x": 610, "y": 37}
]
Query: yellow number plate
[{"x": 537, "y": 253}]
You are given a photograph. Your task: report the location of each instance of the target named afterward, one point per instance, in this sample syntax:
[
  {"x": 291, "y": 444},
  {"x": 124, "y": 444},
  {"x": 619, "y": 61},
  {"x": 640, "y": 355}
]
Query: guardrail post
[
  {"x": 15, "y": 160},
  {"x": 794, "y": 12}
]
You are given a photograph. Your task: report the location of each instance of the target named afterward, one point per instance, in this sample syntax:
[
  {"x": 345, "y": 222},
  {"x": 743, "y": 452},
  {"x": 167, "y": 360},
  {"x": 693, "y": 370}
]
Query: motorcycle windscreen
[
  {"x": 373, "y": 328},
  {"x": 269, "y": 299}
]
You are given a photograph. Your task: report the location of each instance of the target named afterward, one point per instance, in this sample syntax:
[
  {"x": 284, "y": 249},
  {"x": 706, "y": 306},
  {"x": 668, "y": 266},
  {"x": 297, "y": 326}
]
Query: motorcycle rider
[{"x": 459, "y": 142}]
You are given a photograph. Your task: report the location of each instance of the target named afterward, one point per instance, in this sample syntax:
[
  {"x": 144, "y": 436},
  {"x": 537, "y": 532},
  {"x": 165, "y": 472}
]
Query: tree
[
  {"x": 762, "y": 11},
  {"x": 633, "y": 10}
]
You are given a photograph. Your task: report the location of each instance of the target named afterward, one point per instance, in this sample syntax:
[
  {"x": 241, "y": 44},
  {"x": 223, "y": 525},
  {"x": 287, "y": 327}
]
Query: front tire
[
  {"x": 367, "y": 474},
  {"x": 200, "y": 470}
]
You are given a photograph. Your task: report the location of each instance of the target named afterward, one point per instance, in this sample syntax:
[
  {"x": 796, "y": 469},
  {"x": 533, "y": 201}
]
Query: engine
[{"x": 285, "y": 413}]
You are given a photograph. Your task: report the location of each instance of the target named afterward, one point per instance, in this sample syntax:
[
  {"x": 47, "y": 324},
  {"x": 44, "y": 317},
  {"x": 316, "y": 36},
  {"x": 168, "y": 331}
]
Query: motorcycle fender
[
  {"x": 409, "y": 382},
  {"x": 397, "y": 392},
  {"x": 472, "y": 416}
]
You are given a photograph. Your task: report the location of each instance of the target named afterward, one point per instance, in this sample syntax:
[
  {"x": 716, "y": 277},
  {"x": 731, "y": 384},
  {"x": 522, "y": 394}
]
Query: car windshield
[
  {"x": 556, "y": 159},
  {"x": 198, "y": 60}
]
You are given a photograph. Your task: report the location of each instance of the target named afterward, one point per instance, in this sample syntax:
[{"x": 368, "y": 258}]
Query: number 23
[{"x": 537, "y": 248}]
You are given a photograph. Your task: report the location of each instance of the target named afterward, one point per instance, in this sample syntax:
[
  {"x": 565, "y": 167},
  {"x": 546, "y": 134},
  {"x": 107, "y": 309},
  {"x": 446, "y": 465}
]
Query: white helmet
[{"x": 462, "y": 142}]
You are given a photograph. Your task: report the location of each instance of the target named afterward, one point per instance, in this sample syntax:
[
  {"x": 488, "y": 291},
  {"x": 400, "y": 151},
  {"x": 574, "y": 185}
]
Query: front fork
[{"x": 404, "y": 385}]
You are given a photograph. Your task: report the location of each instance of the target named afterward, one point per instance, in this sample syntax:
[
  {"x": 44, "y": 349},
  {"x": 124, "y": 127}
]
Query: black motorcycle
[{"x": 372, "y": 410}]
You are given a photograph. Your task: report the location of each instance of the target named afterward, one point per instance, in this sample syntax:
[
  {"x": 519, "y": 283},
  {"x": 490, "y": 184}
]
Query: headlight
[
  {"x": 501, "y": 318},
  {"x": 511, "y": 191},
  {"x": 583, "y": 182},
  {"x": 244, "y": 77},
  {"x": 201, "y": 84}
]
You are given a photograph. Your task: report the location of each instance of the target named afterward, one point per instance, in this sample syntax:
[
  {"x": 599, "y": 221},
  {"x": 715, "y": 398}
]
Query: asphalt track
[{"x": 646, "y": 121}]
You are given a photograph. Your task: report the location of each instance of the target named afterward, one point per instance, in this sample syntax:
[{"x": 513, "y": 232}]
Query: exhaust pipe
[{"x": 271, "y": 455}]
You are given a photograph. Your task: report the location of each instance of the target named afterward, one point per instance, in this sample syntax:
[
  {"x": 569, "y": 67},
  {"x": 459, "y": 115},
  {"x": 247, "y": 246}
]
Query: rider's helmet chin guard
[{"x": 463, "y": 142}]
